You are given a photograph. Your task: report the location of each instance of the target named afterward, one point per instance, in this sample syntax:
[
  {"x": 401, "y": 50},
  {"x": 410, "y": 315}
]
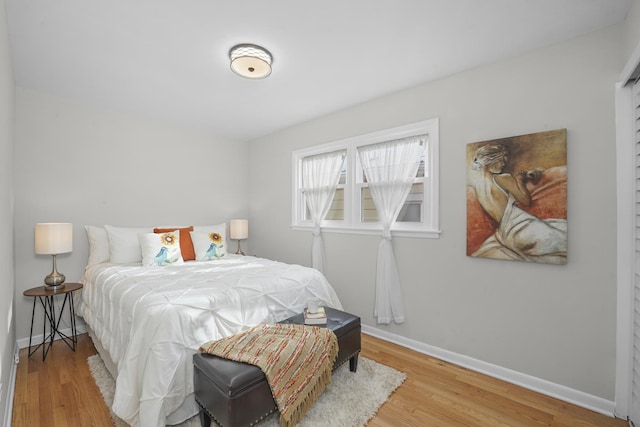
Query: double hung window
[{"x": 352, "y": 208}]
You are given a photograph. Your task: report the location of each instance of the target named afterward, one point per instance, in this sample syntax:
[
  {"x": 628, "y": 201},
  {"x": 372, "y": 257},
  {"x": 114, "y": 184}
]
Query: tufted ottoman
[{"x": 237, "y": 394}]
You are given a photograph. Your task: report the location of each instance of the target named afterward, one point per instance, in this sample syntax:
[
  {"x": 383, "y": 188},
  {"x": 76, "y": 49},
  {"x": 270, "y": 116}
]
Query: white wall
[
  {"x": 557, "y": 323},
  {"x": 7, "y": 312},
  {"x": 80, "y": 164},
  {"x": 632, "y": 36}
]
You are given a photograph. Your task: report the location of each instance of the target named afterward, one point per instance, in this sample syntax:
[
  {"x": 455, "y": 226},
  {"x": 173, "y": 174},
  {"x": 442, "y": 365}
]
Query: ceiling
[{"x": 168, "y": 59}]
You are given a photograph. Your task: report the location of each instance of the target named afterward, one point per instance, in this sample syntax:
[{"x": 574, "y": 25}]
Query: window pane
[
  {"x": 336, "y": 211},
  {"x": 420, "y": 173},
  {"x": 411, "y": 210},
  {"x": 343, "y": 174},
  {"x": 369, "y": 212}
]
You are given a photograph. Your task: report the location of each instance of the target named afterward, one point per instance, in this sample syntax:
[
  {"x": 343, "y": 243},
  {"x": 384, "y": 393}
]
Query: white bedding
[{"x": 151, "y": 320}]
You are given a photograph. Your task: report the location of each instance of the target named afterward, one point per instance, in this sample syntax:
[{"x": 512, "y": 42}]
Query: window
[{"x": 352, "y": 209}]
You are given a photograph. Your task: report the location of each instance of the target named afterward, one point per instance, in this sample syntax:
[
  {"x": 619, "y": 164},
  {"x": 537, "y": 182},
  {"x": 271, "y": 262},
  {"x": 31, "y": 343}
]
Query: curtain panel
[
  {"x": 320, "y": 176},
  {"x": 390, "y": 168}
]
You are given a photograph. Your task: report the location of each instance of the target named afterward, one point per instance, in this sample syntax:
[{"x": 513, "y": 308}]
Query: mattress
[{"x": 150, "y": 321}]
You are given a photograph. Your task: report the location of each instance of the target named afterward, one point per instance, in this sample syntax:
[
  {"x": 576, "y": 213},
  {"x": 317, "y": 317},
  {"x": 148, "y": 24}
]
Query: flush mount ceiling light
[{"x": 250, "y": 61}]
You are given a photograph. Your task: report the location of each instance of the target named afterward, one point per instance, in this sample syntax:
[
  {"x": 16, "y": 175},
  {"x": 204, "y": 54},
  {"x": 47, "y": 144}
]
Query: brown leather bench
[{"x": 236, "y": 394}]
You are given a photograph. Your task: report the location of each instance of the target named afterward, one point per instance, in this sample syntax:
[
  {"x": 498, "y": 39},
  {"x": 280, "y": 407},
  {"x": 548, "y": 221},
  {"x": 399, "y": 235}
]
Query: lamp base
[
  {"x": 55, "y": 280},
  {"x": 239, "y": 252}
]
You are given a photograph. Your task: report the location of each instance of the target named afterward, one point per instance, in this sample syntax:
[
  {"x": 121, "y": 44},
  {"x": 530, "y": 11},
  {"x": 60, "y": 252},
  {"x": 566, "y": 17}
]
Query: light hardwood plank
[
  {"x": 437, "y": 393},
  {"x": 61, "y": 393}
]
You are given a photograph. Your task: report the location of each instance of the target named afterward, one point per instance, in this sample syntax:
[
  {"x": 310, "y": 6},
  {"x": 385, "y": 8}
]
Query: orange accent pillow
[{"x": 186, "y": 245}]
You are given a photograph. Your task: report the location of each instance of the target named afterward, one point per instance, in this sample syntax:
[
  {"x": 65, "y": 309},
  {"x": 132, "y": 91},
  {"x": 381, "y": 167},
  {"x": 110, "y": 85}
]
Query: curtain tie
[
  {"x": 316, "y": 231},
  {"x": 386, "y": 234}
]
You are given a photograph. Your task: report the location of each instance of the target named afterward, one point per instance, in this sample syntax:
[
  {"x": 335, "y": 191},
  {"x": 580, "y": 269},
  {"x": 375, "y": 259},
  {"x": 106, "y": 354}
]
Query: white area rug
[{"x": 351, "y": 399}]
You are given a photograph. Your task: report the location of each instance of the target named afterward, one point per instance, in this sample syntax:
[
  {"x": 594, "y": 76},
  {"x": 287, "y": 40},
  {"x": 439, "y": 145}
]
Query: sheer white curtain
[
  {"x": 320, "y": 176},
  {"x": 390, "y": 169}
]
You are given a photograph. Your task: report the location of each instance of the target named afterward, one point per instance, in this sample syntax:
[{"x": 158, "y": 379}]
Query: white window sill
[{"x": 421, "y": 234}]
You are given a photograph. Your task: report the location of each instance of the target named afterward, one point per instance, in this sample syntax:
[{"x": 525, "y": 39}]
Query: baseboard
[
  {"x": 538, "y": 385},
  {"x": 8, "y": 409},
  {"x": 37, "y": 339}
]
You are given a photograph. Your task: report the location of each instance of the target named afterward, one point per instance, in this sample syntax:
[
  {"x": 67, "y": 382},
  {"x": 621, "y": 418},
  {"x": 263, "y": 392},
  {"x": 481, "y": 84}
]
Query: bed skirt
[{"x": 189, "y": 407}]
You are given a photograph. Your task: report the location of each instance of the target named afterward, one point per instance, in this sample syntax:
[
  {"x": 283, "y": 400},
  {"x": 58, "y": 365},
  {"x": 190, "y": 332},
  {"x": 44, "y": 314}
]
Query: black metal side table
[{"x": 46, "y": 295}]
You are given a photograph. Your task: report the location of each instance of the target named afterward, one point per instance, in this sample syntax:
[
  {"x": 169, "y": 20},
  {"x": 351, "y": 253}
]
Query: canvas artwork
[{"x": 517, "y": 198}]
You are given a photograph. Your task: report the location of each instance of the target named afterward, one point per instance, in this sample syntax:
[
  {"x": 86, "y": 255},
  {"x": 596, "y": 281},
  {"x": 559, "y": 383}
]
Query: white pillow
[
  {"x": 221, "y": 229},
  {"x": 98, "y": 244},
  {"x": 209, "y": 244},
  {"x": 124, "y": 247},
  {"x": 160, "y": 248}
]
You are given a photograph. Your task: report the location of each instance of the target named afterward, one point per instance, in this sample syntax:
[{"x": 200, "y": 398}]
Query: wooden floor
[{"x": 60, "y": 392}]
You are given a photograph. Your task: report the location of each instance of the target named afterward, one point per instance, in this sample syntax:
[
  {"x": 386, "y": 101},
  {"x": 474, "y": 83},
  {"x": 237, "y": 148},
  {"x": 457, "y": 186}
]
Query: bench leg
[
  {"x": 205, "y": 421},
  {"x": 353, "y": 363}
]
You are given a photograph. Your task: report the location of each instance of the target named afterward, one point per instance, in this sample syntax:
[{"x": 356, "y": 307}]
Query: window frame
[{"x": 352, "y": 223}]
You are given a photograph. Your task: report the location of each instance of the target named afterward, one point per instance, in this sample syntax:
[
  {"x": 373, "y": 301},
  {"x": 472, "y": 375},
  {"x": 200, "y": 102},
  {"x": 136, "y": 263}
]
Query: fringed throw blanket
[{"x": 296, "y": 359}]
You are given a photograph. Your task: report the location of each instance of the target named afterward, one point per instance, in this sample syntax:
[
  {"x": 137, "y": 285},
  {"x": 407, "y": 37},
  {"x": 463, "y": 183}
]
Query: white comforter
[{"x": 152, "y": 320}]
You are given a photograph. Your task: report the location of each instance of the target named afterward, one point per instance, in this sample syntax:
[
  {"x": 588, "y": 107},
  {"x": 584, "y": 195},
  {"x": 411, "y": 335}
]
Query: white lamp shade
[
  {"x": 54, "y": 238},
  {"x": 239, "y": 229}
]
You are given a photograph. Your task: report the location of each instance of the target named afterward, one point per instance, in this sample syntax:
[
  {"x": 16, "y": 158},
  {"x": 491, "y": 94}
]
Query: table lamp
[
  {"x": 239, "y": 231},
  {"x": 53, "y": 238}
]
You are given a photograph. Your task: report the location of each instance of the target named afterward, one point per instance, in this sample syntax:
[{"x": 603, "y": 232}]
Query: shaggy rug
[{"x": 351, "y": 399}]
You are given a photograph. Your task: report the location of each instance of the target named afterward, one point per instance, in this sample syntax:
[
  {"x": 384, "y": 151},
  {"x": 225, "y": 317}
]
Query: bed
[{"x": 148, "y": 321}]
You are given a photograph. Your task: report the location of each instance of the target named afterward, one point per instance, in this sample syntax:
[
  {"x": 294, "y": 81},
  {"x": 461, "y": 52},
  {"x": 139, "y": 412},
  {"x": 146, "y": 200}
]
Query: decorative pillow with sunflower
[
  {"x": 160, "y": 248},
  {"x": 209, "y": 245}
]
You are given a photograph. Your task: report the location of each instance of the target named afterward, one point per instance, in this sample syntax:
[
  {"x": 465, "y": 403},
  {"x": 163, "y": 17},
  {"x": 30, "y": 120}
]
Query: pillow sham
[
  {"x": 124, "y": 247},
  {"x": 98, "y": 244},
  {"x": 220, "y": 229},
  {"x": 160, "y": 248},
  {"x": 209, "y": 245},
  {"x": 186, "y": 245}
]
